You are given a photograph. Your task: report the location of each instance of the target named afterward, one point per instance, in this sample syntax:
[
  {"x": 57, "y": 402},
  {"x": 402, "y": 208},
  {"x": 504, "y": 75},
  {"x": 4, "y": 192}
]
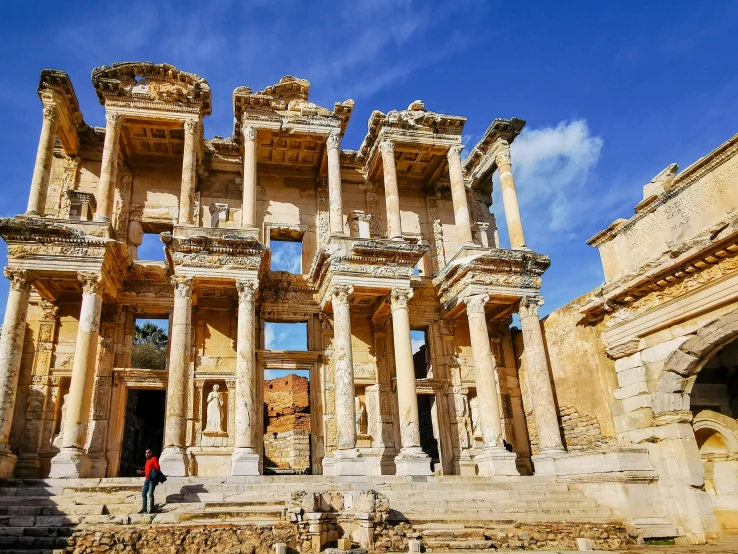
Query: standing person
[{"x": 151, "y": 471}]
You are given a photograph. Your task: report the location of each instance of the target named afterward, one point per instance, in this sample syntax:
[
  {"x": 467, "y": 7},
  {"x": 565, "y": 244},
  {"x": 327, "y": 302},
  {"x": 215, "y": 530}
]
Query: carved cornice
[
  {"x": 214, "y": 251},
  {"x": 649, "y": 288},
  {"x": 493, "y": 267},
  {"x": 162, "y": 85}
]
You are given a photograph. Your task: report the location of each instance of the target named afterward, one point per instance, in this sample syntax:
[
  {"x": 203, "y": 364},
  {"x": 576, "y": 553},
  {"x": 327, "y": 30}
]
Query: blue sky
[{"x": 612, "y": 92}]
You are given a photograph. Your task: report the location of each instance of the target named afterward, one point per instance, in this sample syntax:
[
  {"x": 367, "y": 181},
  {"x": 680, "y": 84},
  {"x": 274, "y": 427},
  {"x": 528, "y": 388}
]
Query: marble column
[
  {"x": 510, "y": 198},
  {"x": 248, "y": 217},
  {"x": 391, "y": 192},
  {"x": 108, "y": 168},
  {"x": 174, "y": 459},
  {"x": 458, "y": 195},
  {"x": 44, "y": 157},
  {"x": 346, "y": 459},
  {"x": 245, "y": 459},
  {"x": 11, "y": 351},
  {"x": 335, "y": 194},
  {"x": 189, "y": 174},
  {"x": 539, "y": 385},
  {"x": 72, "y": 460},
  {"x": 494, "y": 458},
  {"x": 411, "y": 459}
]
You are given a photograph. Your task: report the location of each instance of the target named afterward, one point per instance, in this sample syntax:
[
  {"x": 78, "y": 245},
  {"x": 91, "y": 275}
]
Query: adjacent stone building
[{"x": 396, "y": 236}]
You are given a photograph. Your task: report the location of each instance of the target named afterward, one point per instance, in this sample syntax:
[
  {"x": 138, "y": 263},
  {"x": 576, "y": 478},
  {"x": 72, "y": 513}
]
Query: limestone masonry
[{"x": 614, "y": 418}]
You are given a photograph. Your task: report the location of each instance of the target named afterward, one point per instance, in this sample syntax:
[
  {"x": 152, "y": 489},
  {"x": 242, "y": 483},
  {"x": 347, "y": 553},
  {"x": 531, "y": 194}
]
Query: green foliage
[{"x": 149, "y": 347}]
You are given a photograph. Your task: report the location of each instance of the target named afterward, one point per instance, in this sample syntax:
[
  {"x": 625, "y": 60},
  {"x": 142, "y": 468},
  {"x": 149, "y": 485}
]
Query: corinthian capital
[
  {"x": 113, "y": 120},
  {"x": 182, "y": 286},
  {"x": 529, "y": 305},
  {"x": 475, "y": 304},
  {"x": 20, "y": 279},
  {"x": 190, "y": 125},
  {"x": 246, "y": 290},
  {"x": 454, "y": 153},
  {"x": 333, "y": 141},
  {"x": 399, "y": 297},
  {"x": 340, "y": 293},
  {"x": 92, "y": 283},
  {"x": 387, "y": 146},
  {"x": 502, "y": 156},
  {"x": 51, "y": 113},
  {"x": 249, "y": 132}
]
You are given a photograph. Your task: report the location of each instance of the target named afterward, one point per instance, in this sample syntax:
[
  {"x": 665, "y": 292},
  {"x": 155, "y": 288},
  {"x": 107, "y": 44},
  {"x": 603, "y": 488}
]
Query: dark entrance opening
[
  {"x": 428, "y": 434},
  {"x": 144, "y": 428}
]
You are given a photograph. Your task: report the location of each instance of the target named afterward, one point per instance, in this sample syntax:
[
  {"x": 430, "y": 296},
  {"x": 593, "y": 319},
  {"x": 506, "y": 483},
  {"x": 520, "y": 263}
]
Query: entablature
[
  {"x": 503, "y": 275},
  {"x": 481, "y": 163},
  {"x": 56, "y": 91}
]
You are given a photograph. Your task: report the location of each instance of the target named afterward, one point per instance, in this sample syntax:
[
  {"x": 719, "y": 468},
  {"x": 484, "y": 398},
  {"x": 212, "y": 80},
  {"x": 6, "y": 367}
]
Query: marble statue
[{"x": 214, "y": 421}]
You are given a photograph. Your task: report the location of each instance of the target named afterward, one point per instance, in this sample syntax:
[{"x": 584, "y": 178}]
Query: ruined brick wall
[
  {"x": 287, "y": 423},
  {"x": 581, "y": 431},
  {"x": 290, "y": 449}
]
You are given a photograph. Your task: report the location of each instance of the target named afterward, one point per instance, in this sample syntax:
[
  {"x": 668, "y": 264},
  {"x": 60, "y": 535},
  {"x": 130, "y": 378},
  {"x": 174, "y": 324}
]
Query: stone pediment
[{"x": 152, "y": 83}]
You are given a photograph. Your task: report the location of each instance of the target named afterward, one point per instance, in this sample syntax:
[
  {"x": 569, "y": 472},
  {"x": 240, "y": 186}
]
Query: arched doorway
[{"x": 714, "y": 406}]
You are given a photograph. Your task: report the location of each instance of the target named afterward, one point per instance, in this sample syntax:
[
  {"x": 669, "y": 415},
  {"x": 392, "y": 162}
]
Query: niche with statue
[{"x": 215, "y": 414}]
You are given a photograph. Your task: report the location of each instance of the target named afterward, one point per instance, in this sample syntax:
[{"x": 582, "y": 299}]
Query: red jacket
[{"x": 151, "y": 463}]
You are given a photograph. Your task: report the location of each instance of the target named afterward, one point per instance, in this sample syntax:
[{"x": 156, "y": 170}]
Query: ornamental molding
[
  {"x": 480, "y": 163},
  {"x": 213, "y": 250},
  {"x": 650, "y": 288}
]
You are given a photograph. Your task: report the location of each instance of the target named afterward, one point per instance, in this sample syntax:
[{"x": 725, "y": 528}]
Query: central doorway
[
  {"x": 144, "y": 428},
  {"x": 287, "y": 423}
]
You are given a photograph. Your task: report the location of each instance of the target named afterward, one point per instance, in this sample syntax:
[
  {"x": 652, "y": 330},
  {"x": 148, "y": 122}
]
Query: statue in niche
[
  {"x": 214, "y": 421},
  {"x": 59, "y": 438},
  {"x": 135, "y": 235},
  {"x": 476, "y": 430},
  {"x": 360, "y": 416}
]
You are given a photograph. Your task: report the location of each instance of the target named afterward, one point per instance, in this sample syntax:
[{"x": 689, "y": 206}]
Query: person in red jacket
[{"x": 150, "y": 483}]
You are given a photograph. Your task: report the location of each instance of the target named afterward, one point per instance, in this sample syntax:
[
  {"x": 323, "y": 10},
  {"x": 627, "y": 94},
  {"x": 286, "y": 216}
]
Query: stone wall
[{"x": 290, "y": 449}]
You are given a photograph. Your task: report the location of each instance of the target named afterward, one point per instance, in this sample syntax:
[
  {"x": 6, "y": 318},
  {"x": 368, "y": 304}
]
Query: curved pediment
[{"x": 161, "y": 83}]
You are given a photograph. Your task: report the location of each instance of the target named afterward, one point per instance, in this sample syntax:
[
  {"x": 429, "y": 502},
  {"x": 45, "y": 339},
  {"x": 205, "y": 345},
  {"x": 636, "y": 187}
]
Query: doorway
[
  {"x": 428, "y": 422},
  {"x": 144, "y": 428},
  {"x": 287, "y": 423}
]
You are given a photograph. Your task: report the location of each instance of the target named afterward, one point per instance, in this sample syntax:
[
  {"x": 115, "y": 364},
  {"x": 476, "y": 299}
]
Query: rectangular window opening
[
  {"x": 151, "y": 248},
  {"x": 150, "y": 343},
  {"x": 286, "y": 255},
  {"x": 285, "y": 336},
  {"x": 421, "y": 355}
]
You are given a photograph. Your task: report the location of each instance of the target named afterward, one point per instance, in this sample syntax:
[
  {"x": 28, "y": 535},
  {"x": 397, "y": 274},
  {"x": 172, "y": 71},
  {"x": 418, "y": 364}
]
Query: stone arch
[
  {"x": 708, "y": 422},
  {"x": 682, "y": 365}
]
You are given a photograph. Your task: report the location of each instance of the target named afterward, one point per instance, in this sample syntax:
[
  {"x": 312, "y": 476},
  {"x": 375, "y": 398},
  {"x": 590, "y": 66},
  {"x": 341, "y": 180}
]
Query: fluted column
[
  {"x": 248, "y": 217},
  {"x": 44, "y": 157},
  {"x": 391, "y": 192},
  {"x": 11, "y": 351},
  {"x": 72, "y": 460},
  {"x": 174, "y": 456},
  {"x": 335, "y": 195},
  {"x": 108, "y": 168},
  {"x": 245, "y": 459},
  {"x": 539, "y": 381},
  {"x": 494, "y": 458},
  {"x": 510, "y": 198},
  {"x": 411, "y": 460},
  {"x": 458, "y": 195},
  {"x": 189, "y": 174}
]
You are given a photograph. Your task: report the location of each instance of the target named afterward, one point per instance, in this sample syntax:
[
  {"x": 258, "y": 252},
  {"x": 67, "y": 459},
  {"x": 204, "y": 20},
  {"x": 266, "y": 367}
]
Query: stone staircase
[{"x": 450, "y": 512}]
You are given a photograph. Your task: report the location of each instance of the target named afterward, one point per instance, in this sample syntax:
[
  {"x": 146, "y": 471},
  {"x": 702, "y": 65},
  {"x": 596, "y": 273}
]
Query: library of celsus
[{"x": 624, "y": 399}]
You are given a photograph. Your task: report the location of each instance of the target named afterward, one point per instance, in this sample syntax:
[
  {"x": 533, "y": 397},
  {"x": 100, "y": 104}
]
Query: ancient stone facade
[{"x": 395, "y": 237}]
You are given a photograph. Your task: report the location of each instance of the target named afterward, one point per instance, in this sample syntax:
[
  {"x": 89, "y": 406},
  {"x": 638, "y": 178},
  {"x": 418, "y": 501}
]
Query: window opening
[
  {"x": 420, "y": 353},
  {"x": 150, "y": 342},
  {"x": 151, "y": 248},
  {"x": 285, "y": 336},
  {"x": 286, "y": 255}
]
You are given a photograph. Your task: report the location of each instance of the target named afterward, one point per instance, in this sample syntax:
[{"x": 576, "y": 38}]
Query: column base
[
  {"x": 100, "y": 219},
  {"x": 174, "y": 462},
  {"x": 7, "y": 462},
  {"x": 245, "y": 461},
  {"x": 345, "y": 462},
  {"x": 70, "y": 463},
  {"x": 544, "y": 463},
  {"x": 412, "y": 461},
  {"x": 496, "y": 461},
  {"x": 28, "y": 466}
]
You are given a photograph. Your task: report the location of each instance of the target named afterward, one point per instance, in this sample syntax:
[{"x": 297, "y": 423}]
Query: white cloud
[{"x": 416, "y": 344}]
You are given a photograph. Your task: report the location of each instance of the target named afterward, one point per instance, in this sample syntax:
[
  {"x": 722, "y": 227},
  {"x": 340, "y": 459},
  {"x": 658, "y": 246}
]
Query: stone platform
[{"x": 308, "y": 513}]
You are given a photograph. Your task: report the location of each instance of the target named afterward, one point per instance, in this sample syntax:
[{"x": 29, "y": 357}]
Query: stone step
[
  {"x": 9, "y": 510},
  {"x": 445, "y": 545},
  {"x": 228, "y": 515},
  {"x": 512, "y": 502},
  {"x": 26, "y": 544},
  {"x": 516, "y": 514}
]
